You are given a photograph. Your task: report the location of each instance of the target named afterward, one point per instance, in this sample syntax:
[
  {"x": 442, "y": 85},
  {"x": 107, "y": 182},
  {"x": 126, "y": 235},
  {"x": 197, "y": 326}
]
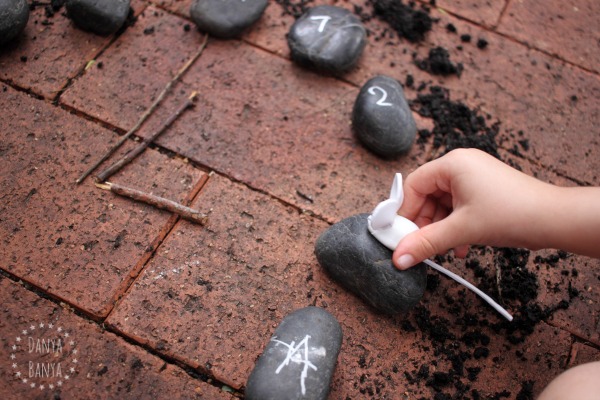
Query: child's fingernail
[{"x": 406, "y": 261}]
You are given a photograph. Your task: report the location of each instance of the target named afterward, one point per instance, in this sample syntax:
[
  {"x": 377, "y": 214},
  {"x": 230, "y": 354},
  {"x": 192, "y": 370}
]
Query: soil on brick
[
  {"x": 438, "y": 63},
  {"x": 295, "y": 8},
  {"x": 455, "y": 124},
  {"x": 407, "y": 21},
  {"x": 519, "y": 290}
]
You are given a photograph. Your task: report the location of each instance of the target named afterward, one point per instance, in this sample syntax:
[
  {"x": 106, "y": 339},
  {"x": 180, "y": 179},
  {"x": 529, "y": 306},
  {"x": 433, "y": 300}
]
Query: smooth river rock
[
  {"x": 362, "y": 265},
  {"x": 102, "y": 17},
  {"x": 299, "y": 360},
  {"x": 14, "y": 15},
  {"x": 226, "y": 18},
  {"x": 381, "y": 118},
  {"x": 327, "y": 38}
]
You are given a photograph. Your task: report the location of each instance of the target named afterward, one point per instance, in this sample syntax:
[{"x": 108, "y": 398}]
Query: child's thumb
[{"x": 436, "y": 238}]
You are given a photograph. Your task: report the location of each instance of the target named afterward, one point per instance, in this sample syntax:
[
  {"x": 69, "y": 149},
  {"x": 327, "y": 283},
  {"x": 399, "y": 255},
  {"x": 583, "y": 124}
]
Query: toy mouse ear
[
  {"x": 384, "y": 214},
  {"x": 397, "y": 192}
]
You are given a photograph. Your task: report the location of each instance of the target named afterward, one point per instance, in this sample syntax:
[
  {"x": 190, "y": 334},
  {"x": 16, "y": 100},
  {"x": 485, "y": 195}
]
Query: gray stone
[
  {"x": 382, "y": 119},
  {"x": 362, "y": 265},
  {"x": 14, "y": 15},
  {"x": 327, "y": 38},
  {"x": 226, "y": 18},
  {"x": 299, "y": 360},
  {"x": 102, "y": 17}
]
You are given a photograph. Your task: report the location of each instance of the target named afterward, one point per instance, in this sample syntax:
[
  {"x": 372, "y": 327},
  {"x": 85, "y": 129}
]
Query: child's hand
[{"x": 469, "y": 197}]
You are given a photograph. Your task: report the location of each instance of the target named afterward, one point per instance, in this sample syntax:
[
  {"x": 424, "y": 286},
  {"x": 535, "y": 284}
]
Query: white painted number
[
  {"x": 323, "y": 19},
  {"x": 381, "y": 101}
]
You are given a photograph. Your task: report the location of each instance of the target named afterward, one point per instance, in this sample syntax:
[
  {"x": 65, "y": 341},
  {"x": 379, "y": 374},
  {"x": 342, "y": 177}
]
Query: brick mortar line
[
  {"x": 29, "y": 92},
  {"x": 208, "y": 169},
  {"x": 493, "y": 31},
  {"x": 194, "y": 373},
  {"x": 300, "y": 210},
  {"x": 100, "y": 51},
  {"x": 141, "y": 264},
  {"x": 502, "y": 13},
  {"x": 577, "y": 336}
]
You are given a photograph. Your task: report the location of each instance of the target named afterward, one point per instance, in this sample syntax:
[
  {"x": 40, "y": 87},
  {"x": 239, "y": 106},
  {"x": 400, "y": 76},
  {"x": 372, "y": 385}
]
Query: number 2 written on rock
[{"x": 383, "y": 93}]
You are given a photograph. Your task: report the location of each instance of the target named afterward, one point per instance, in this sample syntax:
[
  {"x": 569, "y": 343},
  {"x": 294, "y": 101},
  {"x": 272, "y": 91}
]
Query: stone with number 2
[
  {"x": 226, "y": 19},
  {"x": 382, "y": 119},
  {"x": 327, "y": 38}
]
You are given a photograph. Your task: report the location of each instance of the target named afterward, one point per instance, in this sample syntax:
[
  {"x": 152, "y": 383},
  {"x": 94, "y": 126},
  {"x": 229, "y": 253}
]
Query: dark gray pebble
[
  {"x": 358, "y": 262},
  {"x": 327, "y": 38},
  {"x": 299, "y": 360},
  {"x": 226, "y": 18},
  {"x": 14, "y": 15},
  {"x": 382, "y": 119},
  {"x": 102, "y": 17}
]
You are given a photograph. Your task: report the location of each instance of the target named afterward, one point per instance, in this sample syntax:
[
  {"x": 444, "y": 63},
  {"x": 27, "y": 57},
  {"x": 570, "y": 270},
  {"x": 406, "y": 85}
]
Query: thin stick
[
  {"x": 129, "y": 157},
  {"x": 159, "y": 202},
  {"x": 146, "y": 114}
]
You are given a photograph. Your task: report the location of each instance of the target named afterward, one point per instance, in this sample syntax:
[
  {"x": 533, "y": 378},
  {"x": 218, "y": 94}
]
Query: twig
[
  {"x": 129, "y": 157},
  {"x": 146, "y": 114},
  {"x": 159, "y": 202}
]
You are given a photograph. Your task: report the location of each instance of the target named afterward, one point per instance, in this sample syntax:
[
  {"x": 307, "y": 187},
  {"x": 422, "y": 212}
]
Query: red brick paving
[
  {"x": 81, "y": 247},
  {"x": 104, "y": 365},
  {"x": 42, "y": 60},
  {"x": 265, "y": 146},
  {"x": 581, "y": 354},
  {"x": 121, "y": 90},
  {"x": 486, "y": 12},
  {"x": 287, "y": 164},
  {"x": 565, "y": 29}
]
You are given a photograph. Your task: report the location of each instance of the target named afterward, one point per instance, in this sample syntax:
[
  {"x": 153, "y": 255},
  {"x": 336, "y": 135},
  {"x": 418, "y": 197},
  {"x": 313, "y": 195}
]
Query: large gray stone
[
  {"x": 382, "y": 119},
  {"x": 226, "y": 18},
  {"x": 14, "y": 15},
  {"x": 327, "y": 38},
  {"x": 362, "y": 265},
  {"x": 299, "y": 360},
  {"x": 102, "y": 17}
]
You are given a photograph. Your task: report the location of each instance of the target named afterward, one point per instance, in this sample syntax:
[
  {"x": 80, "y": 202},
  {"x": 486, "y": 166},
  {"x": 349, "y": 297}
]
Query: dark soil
[
  {"x": 295, "y": 8},
  {"x": 438, "y": 63},
  {"x": 455, "y": 124},
  {"x": 459, "y": 337},
  {"x": 405, "y": 20}
]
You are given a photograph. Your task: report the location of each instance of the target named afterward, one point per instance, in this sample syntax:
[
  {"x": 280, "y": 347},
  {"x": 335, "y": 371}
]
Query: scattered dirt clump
[
  {"x": 408, "y": 22},
  {"x": 294, "y": 8},
  {"x": 461, "y": 337},
  {"x": 438, "y": 63},
  {"x": 455, "y": 124}
]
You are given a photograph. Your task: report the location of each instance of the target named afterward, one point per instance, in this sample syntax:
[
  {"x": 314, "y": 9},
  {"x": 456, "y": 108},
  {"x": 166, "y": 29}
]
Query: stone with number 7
[{"x": 327, "y": 38}]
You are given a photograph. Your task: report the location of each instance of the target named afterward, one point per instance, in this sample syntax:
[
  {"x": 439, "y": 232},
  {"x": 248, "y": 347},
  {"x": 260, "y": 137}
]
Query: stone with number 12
[
  {"x": 299, "y": 360},
  {"x": 382, "y": 119},
  {"x": 226, "y": 19},
  {"x": 327, "y": 38}
]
